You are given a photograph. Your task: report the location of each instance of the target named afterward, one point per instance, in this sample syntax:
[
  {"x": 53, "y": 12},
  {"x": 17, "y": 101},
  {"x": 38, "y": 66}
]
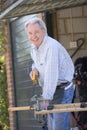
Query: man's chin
[{"x": 36, "y": 44}]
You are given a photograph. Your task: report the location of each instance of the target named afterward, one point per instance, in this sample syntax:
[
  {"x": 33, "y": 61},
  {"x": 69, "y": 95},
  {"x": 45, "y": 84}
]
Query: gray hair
[{"x": 36, "y": 20}]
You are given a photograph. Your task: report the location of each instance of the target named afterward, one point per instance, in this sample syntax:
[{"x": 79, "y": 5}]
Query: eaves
[{"x": 24, "y": 7}]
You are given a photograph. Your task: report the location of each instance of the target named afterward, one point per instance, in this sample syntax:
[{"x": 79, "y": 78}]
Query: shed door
[{"x": 24, "y": 88}]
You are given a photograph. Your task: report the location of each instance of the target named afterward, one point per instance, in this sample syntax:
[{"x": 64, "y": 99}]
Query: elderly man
[{"x": 55, "y": 69}]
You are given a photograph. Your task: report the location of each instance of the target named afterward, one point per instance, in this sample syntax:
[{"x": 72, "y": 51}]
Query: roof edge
[{"x": 10, "y": 8}]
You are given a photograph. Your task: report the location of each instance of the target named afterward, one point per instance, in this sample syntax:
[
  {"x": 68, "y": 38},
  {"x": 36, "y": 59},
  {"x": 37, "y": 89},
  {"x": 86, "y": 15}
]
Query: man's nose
[{"x": 33, "y": 36}]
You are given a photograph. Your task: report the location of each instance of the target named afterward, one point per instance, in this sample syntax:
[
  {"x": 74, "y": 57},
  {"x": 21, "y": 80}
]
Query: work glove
[{"x": 44, "y": 104}]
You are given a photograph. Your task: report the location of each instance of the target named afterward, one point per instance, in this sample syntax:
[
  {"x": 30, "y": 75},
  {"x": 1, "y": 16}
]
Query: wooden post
[{"x": 9, "y": 75}]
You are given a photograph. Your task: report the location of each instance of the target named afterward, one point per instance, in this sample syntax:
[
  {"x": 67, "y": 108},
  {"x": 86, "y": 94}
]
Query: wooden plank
[
  {"x": 56, "y": 108},
  {"x": 21, "y": 108},
  {"x": 73, "y": 107},
  {"x": 69, "y": 105},
  {"x": 60, "y": 110}
]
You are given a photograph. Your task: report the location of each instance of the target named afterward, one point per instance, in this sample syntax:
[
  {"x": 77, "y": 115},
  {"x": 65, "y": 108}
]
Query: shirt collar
[{"x": 43, "y": 43}]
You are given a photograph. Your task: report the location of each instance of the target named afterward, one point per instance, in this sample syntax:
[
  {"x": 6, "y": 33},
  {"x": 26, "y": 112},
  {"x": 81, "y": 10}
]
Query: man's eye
[{"x": 29, "y": 33}]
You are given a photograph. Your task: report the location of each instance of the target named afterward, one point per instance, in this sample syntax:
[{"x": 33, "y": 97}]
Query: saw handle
[{"x": 34, "y": 76}]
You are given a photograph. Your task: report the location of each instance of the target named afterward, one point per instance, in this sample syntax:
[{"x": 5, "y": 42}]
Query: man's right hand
[
  {"x": 44, "y": 104},
  {"x": 34, "y": 76}
]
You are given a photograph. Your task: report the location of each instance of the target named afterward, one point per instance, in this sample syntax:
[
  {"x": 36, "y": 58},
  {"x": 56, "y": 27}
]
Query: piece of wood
[
  {"x": 69, "y": 105},
  {"x": 21, "y": 108},
  {"x": 73, "y": 107}
]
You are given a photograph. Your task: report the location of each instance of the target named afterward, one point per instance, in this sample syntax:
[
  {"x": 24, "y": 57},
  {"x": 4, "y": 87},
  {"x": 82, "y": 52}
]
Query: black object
[
  {"x": 80, "y": 78},
  {"x": 80, "y": 43},
  {"x": 81, "y": 69},
  {"x": 83, "y": 105},
  {"x": 50, "y": 107}
]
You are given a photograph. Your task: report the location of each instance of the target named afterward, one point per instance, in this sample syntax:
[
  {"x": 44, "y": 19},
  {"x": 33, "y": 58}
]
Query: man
[{"x": 55, "y": 69}]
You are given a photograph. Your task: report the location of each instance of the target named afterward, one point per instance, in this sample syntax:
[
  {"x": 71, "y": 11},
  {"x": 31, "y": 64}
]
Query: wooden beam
[
  {"x": 73, "y": 107},
  {"x": 24, "y": 108},
  {"x": 10, "y": 8}
]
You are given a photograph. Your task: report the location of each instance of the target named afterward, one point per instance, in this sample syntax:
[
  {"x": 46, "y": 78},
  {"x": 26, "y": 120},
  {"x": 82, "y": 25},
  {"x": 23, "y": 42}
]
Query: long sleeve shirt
[{"x": 53, "y": 64}]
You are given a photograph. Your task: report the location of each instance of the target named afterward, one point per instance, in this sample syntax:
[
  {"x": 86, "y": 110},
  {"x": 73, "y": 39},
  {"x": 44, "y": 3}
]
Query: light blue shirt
[{"x": 53, "y": 64}]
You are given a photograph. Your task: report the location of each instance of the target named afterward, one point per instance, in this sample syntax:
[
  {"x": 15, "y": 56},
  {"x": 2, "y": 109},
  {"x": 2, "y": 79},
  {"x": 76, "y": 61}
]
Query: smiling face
[{"x": 35, "y": 34}]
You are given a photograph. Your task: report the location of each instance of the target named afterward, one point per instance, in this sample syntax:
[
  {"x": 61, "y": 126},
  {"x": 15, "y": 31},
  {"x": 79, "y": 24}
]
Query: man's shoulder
[
  {"x": 52, "y": 39},
  {"x": 53, "y": 42}
]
